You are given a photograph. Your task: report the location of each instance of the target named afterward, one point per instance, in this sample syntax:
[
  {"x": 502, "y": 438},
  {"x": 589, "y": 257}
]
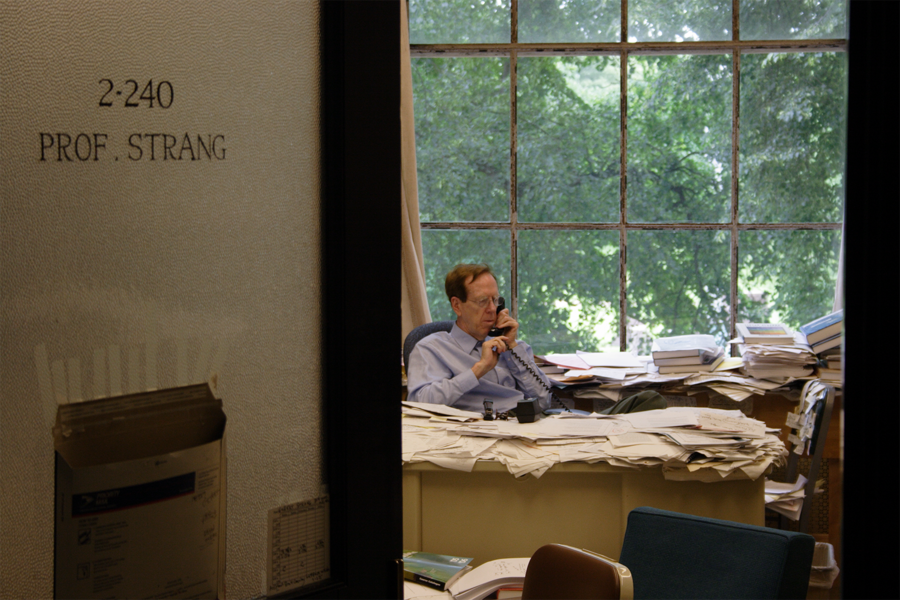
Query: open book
[{"x": 485, "y": 579}]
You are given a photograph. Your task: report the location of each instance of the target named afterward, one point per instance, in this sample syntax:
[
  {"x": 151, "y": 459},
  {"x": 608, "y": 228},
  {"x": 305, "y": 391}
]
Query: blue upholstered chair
[
  {"x": 418, "y": 333},
  {"x": 674, "y": 555}
]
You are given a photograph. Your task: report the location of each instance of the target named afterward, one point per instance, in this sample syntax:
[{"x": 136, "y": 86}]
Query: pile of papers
[
  {"x": 616, "y": 376},
  {"x": 687, "y": 443},
  {"x": 778, "y": 362},
  {"x": 787, "y": 498}
]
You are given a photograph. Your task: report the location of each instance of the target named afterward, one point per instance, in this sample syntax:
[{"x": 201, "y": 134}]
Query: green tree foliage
[
  {"x": 542, "y": 21},
  {"x": 678, "y": 171},
  {"x": 679, "y": 20},
  {"x": 462, "y": 138},
  {"x": 679, "y": 140},
  {"x": 458, "y": 21},
  {"x": 568, "y": 144},
  {"x": 793, "y": 19}
]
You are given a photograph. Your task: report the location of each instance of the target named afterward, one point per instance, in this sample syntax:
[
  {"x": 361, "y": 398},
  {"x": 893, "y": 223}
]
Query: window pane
[
  {"x": 444, "y": 249},
  {"x": 679, "y": 20},
  {"x": 794, "y": 20},
  {"x": 569, "y": 21},
  {"x": 568, "y": 139},
  {"x": 462, "y": 138},
  {"x": 569, "y": 290},
  {"x": 793, "y": 115},
  {"x": 787, "y": 276},
  {"x": 678, "y": 284},
  {"x": 459, "y": 21},
  {"x": 679, "y": 138}
]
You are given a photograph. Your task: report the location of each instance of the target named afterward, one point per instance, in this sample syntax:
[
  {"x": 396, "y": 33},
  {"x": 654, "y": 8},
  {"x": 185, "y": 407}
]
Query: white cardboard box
[{"x": 140, "y": 496}]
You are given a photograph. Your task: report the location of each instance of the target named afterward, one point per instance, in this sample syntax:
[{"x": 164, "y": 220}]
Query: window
[{"x": 633, "y": 169}]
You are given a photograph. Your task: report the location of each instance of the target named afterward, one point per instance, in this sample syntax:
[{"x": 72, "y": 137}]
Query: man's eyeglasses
[{"x": 482, "y": 303}]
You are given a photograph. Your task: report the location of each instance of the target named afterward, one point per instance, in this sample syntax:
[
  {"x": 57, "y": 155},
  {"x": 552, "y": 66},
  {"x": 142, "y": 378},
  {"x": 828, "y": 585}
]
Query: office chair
[
  {"x": 557, "y": 572},
  {"x": 674, "y": 555},
  {"x": 823, "y": 395},
  {"x": 413, "y": 337}
]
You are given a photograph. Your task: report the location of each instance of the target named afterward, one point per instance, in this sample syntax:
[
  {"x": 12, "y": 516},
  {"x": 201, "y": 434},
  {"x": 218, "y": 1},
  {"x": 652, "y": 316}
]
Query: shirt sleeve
[
  {"x": 531, "y": 380},
  {"x": 430, "y": 378}
]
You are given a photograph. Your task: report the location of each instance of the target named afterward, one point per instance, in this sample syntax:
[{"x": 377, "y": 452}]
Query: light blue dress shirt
[{"x": 440, "y": 372}]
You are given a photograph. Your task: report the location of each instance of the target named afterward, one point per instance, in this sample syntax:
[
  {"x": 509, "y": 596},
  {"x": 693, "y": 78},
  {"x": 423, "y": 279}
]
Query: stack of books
[
  {"x": 830, "y": 369},
  {"x": 437, "y": 571},
  {"x": 825, "y": 332},
  {"x": 824, "y": 337},
  {"x": 687, "y": 354}
]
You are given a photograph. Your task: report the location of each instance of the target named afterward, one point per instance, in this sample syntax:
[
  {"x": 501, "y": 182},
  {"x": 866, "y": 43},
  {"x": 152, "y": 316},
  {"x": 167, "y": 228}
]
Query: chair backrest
[
  {"x": 674, "y": 555},
  {"x": 413, "y": 337},
  {"x": 821, "y": 396},
  {"x": 561, "y": 572}
]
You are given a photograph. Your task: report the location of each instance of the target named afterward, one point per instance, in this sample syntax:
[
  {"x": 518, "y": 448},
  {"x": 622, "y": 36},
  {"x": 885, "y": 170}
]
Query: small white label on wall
[{"x": 298, "y": 545}]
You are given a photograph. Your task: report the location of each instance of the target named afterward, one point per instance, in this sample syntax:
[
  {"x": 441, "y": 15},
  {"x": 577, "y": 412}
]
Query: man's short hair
[{"x": 460, "y": 275}]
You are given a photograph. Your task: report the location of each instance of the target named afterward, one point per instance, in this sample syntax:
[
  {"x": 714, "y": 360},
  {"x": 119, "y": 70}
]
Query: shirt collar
[{"x": 465, "y": 341}]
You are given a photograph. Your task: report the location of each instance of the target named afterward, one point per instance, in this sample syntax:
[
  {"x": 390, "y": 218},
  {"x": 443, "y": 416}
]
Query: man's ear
[{"x": 456, "y": 304}]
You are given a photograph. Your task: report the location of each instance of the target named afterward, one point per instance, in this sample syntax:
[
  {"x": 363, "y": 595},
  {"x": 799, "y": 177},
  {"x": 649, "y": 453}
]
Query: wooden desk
[{"x": 490, "y": 514}]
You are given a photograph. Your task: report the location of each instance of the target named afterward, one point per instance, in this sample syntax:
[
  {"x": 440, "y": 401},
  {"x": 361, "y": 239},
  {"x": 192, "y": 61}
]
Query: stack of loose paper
[
  {"x": 723, "y": 443},
  {"x": 787, "y": 498},
  {"x": 687, "y": 442},
  {"x": 731, "y": 383},
  {"x": 486, "y": 579},
  {"x": 594, "y": 368},
  {"x": 439, "y": 411},
  {"x": 778, "y": 362}
]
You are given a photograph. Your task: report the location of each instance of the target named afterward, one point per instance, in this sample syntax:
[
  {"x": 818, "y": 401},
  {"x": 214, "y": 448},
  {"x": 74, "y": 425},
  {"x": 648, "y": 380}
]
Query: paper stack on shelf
[
  {"x": 787, "y": 498},
  {"x": 778, "y": 362}
]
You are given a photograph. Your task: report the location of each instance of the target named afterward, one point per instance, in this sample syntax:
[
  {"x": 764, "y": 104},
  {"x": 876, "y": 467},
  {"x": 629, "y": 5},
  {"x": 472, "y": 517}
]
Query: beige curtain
[
  {"x": 413, "y": 301},
  {"x": 839, "y": 284}
]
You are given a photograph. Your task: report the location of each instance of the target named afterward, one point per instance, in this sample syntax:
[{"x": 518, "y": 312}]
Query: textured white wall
[{"x": 120, "y": 275}]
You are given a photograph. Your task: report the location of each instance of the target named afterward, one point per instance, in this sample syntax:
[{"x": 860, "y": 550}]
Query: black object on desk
[{"x": 527, "y": 410}]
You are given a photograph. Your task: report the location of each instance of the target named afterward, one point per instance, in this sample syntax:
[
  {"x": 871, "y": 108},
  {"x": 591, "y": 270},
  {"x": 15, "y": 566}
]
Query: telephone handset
[{"x": 494, "y": 332}]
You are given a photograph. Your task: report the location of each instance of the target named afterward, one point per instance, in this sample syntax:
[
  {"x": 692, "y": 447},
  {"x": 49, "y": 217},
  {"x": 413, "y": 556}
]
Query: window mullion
[
  {"x": 623, "y": 181},
  {"x": 513, "y": 182},
  {"x": 513, "y": 157},
  {"x": 735, "y": 166},
  {"x": 735, "y": 162}
]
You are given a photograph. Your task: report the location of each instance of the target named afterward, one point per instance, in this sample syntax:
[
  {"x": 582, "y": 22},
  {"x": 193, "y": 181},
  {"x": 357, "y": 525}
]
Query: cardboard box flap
[{"x": 137, "y": 426}]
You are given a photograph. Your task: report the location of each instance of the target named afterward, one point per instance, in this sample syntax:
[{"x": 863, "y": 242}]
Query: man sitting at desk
[{"x": 467, "y": 366}]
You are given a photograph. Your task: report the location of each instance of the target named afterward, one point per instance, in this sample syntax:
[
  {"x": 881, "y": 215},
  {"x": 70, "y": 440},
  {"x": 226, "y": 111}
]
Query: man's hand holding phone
[
  {"x": 509, "y": 328},
  {"x": 491, "y": 349}
]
